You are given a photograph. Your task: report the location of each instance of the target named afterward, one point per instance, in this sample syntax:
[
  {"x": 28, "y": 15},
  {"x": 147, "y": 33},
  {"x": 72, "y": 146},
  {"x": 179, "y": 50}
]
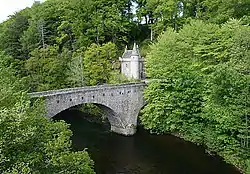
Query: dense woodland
[{"x": 197, "y": 53}]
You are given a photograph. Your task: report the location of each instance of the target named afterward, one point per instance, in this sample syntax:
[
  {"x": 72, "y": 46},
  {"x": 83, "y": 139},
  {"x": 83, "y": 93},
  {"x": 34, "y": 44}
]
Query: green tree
[
  {"x": 46, "y": 69},
  {"x": 9, "y": 83},
  {"x": 29, "y": 142},
  {"x": 201, "y": 87},
  {"x": 220, "y": 11},
  {"x": 75, "y": 73},
  {"x": 97, "y": 63},
  {"x": 11, "y": 32},
  {"x": 161, "y": 14},
  {"x": 44, "y": 33}
]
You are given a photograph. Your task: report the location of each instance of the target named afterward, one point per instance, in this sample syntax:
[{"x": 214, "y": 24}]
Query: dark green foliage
[
  {"x": 29, "y": 142},
  {"x": 73, "y": 24},
  {"x": 65, "y": 43},
  {"x": 201, "y": 87},
  {"x": 98, "y": 62},
  {"x": 9, "y": 84},
  {"x": 97, "y": 65},
  {"x": 227, "y": 105},
  {"x": 46, "y": 69},
  {"x": 11, "y": 33},
  {"x": 32, "y": 144},
  {"x": 161, "y": 14},
  {"x": 219, "y": 11}
]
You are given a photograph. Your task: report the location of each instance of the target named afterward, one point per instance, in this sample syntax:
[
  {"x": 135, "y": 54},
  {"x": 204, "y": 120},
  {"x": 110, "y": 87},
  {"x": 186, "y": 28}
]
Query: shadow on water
[{"x": 142, "y": 153}]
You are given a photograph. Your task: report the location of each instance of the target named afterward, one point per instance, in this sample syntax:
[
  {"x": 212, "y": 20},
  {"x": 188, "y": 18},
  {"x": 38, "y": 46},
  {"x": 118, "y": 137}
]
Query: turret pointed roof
[
  {"x": 135, "y": 50},
  {"x": 128, "y": 53}
]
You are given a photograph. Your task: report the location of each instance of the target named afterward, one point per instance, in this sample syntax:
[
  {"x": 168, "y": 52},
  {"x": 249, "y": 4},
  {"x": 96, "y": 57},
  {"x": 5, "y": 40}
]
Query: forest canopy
[{"x": 197, "y": 52}]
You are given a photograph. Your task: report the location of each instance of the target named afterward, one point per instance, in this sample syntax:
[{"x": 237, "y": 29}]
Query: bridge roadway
[{"x": 121, "y": 103}]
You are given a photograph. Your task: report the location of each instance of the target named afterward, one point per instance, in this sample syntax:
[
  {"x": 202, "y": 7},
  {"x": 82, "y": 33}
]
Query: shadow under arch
[{"x": 110, "y": 114}]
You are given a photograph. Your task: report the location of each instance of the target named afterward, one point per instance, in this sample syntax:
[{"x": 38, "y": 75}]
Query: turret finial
[
  {"x": 126, "y": 48},
  {"x": 134, "y": 48}
]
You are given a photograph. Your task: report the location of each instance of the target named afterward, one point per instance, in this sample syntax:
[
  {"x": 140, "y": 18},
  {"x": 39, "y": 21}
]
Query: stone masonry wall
[{"x": 121, "y": 102}]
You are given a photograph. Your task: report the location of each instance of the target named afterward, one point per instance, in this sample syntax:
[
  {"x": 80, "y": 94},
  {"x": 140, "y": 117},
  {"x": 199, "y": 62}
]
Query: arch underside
[
  {"x": 121, "y": 123},
  {"x": 113, "y": 116}
]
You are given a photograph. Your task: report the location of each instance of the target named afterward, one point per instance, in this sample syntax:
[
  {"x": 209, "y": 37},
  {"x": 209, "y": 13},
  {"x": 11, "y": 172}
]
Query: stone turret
[{"x": 132, "y": 64}]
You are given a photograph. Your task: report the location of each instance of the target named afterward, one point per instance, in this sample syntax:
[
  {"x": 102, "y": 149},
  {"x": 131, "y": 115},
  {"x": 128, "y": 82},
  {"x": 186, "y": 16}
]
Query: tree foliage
[
  {"x": 47, "y": 39},
  {"x": 201, "y": 69},
  {"x": 161, "y": 14},
  {"x": 202, "y": 87},
  {"x": 98, "y": 62},
  {"x": 30, "y": 143},
  {"x": 46, "y": 69}
]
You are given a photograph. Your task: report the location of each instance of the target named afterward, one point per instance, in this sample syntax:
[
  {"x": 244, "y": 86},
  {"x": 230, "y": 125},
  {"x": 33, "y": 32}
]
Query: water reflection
[{"x": 142, "y": 153}]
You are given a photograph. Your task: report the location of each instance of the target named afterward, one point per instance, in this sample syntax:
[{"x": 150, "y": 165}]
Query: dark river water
[{"x": 142, "y": 153}]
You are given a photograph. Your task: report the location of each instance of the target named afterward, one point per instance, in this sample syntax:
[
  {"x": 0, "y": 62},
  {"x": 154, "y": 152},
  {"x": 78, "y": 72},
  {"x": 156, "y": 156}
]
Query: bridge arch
[
  {"x": 111, "y": 114},
  {"x": 122, "y": 102}
]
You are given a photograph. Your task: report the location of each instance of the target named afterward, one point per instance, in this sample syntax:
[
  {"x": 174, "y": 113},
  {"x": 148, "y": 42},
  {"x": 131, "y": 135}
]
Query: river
[{"x": 142, "y": 153}]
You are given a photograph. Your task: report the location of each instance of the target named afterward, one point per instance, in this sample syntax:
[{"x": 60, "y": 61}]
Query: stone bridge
[{"x": 121, "y": 103}]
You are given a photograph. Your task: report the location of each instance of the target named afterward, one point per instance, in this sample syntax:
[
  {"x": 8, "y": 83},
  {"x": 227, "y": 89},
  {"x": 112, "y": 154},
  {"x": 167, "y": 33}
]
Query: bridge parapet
[{"x": 85, "y": 88}]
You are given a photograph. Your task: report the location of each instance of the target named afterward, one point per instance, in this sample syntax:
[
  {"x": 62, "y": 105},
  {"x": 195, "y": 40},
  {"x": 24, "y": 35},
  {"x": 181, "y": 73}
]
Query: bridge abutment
[{"x": 127, "y": 131}]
